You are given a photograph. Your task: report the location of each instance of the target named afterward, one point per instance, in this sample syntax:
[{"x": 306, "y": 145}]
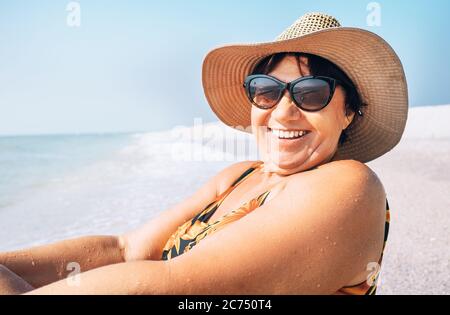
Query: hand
[{"x": 11, "y": 284}]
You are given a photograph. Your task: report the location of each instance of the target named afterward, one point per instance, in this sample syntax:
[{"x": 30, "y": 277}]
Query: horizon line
[{"x": 106, "y": 133}]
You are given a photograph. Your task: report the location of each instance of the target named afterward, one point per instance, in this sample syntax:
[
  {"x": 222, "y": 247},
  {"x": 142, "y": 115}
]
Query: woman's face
[{"x": 286, "y": 156}]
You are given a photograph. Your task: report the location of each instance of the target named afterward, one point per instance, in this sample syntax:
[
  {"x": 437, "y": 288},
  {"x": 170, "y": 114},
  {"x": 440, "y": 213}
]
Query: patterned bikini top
[{"x": 193, "y": 231}]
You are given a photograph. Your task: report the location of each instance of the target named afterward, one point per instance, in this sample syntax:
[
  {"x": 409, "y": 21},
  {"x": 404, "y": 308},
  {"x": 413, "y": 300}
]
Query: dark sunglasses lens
[
  {"x": 264, "y": 92},
  {"x": 312, "y": 94}
]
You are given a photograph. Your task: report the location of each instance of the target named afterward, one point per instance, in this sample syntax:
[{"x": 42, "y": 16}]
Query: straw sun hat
[{"x": 368, "y": 60}]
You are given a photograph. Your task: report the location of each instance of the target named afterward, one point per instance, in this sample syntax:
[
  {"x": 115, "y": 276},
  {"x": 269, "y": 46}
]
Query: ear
[{"x": 348, "y": 118}]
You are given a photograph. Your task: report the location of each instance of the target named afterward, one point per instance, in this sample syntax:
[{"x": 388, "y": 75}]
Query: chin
[{"x": 286, "y": 161}]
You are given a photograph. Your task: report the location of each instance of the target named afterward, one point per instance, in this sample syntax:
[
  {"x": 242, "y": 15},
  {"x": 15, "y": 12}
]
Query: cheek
[
  {"x": 338, "y": 106},
  {"x": 328, "y": 130},
  {"x": 259, "y": 118},
  {"x": 328, "y": 126},
  {"x": 332, "y": 118}
]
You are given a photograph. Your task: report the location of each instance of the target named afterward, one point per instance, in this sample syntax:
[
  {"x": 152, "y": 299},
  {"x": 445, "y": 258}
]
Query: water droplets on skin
[
  {"x": 318, "y": 285},
  {"x": 356, "y": 198},
  {"x": 33, "y": 263}
]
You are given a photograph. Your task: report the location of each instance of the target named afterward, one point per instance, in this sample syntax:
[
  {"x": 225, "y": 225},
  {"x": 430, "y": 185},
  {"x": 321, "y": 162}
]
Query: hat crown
[{"x": 308, "y": 23}]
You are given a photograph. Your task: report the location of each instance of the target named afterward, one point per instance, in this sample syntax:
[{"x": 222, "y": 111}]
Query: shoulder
[
  {"x": 351, "y": 174},
  {"x": 344, "y": 199},
  {"x": 229, "y": 174},
  {"x": 362, "y": 175},
  {"x": 347, "y": 189},
  {"x": 346, "y": 166}
]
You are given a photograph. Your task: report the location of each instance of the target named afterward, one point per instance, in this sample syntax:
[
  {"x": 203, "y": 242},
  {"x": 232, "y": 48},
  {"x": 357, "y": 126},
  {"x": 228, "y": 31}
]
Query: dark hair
[{"x": 320, "y": 67}]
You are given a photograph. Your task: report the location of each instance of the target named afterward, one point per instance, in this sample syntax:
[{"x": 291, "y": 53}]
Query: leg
[{"x": 11, "y": 284}]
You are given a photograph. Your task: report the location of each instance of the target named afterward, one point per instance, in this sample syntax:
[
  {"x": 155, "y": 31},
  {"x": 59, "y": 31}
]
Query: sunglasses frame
[{"x": 289, "y": 86}]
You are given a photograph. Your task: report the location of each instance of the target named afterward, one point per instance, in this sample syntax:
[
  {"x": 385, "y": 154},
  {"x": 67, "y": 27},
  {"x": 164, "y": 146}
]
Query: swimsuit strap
[
  {"x": 191, "y": 232},
  {"x": 206, "y": 214}
]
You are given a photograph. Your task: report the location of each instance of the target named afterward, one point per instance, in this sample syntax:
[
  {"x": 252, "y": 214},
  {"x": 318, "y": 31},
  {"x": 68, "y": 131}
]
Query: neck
[{"x": 272, "y": 172}]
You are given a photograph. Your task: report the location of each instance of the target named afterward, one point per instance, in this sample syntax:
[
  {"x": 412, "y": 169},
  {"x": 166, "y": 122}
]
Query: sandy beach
[{"x": 416, "y": 177}]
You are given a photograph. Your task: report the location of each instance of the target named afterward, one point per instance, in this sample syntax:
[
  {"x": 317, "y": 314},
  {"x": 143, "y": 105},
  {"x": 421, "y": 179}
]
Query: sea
[{"x": 54, "y": 187}]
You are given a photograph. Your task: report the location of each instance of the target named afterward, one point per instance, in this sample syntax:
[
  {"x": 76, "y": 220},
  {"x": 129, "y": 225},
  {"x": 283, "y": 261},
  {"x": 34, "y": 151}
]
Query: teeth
[{"x": 288, "y": 134}]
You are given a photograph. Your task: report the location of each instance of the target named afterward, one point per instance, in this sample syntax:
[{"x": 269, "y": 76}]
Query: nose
[{"x": 286, "y": 110}]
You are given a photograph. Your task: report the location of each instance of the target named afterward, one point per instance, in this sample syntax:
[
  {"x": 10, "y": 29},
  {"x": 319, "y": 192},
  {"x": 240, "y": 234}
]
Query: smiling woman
[
  {"x": 311, "y": 90},
  {"x": 309, "y": 64},
  {"x": 309, "y": 218}
]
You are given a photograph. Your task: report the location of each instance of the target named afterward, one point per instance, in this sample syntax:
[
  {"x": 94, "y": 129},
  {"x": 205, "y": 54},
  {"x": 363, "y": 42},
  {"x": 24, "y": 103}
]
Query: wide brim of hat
[{"x": 368, "y": 60}]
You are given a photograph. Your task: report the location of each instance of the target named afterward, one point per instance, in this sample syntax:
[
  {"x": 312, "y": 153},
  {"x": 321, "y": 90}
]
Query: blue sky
[{"x": 113, "y": 73}]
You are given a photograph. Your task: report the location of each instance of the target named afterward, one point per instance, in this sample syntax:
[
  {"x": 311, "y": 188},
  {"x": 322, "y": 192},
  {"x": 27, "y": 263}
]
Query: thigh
[{"x": 10, "y": 283}]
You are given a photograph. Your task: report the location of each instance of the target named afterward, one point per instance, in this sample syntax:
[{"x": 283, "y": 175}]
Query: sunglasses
[{"x": 310, "y": 93}]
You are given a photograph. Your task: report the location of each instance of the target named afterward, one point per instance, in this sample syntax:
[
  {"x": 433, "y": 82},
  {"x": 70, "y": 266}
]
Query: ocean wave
[{"x": 114, "y": 193}]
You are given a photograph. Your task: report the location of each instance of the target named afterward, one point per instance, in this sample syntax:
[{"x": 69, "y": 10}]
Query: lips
[{"x": 288, "y": 134}]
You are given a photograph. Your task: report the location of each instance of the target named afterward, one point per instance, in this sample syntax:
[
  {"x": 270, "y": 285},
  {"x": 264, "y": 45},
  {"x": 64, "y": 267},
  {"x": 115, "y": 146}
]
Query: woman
[{"x": 310, "y": 218}]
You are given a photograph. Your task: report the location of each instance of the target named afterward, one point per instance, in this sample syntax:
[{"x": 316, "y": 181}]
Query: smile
[{"x": 286, "y": 134}]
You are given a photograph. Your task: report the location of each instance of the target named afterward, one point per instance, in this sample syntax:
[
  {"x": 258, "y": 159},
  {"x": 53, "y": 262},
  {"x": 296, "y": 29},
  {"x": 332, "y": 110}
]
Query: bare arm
[
  {"x": 290, "y": 245},
  {"x": 45, "y": 264}
]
